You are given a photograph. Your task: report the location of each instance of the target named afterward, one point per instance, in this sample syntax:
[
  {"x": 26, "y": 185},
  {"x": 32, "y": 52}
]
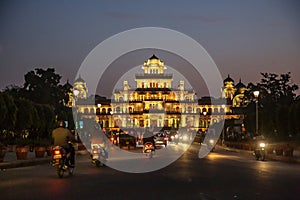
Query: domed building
[
  {"x": 69, "y": 89},
  {"x": 154, "y": 102},
  {"x": 240, "y": 99},
  {"x": 228, "y": 89},
  {"x": 80, "y": 88}
]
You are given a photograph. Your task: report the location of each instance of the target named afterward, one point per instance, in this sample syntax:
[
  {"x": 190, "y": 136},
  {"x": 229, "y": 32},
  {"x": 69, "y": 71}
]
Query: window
[{"x": 98, "y": 111}]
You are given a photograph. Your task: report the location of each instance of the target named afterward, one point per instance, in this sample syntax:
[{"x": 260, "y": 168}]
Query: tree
[
  {"x": 43, "y": 87},
  {"x": 275, "y": 101},
  {"x": 27, "y": 117},
  {"x": 46, "y": 120},
  {"x": 8, "y": 115}
]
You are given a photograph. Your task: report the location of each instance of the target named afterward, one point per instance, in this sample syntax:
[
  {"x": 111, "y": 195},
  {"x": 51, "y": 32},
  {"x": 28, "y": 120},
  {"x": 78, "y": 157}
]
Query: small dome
[
  {"x": 240, "y": 85},
  {"x": 79, "y": 79},
  {"x": 68, "y": 85},
  {"x": 153, "y": 57},
  {"x": 228, "y": 79}
]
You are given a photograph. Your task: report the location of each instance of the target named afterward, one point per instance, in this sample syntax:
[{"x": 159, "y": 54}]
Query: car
[
  {"x": 126, "y": 140},
  {"x": 161, "y": 139},
  {"x": 198, "y": 138},
  {"x": 173, "y": 137}
]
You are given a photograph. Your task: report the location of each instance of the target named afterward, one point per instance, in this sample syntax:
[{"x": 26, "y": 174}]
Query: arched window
[
  {"x": 209, "y": 110},
  {"x": 98, "y": 111},
  {"x": 86, "y": 111},
  {"x": 216, "y": 110},
  {"x": 103, "y": 110}
]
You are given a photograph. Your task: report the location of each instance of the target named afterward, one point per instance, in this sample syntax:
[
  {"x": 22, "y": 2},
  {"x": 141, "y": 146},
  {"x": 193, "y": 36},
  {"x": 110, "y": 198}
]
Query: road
[{"x": 220, "y": 175}]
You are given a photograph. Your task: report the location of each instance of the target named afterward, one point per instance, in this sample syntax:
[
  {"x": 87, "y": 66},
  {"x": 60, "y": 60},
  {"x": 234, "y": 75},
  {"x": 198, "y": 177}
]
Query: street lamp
[
  {"x": 256, "y": 94},
  {"x": 98, "y": 113},
  {"x": 76, "y": 92},
  {"x": 223, "y": 134},
  {"x": 204, "y": 113}
]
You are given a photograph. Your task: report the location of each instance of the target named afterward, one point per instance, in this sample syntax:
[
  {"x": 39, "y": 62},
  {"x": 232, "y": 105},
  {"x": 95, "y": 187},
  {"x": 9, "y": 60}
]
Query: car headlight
[
  {"x": 211, "y": 141},
  {"x": 172, "y": 137},
  {"x": 262, "y": 144},
  {"x": 185, "y": 137}
]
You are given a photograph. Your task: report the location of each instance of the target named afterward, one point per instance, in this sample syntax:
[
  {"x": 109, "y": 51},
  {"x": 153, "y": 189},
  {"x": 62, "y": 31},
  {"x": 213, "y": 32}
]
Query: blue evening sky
[{"x": 243, "y": 37}]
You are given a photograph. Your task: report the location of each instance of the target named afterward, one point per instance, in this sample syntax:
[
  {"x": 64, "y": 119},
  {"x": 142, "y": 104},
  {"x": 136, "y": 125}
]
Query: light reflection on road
[{"x": 216, "y": 156}]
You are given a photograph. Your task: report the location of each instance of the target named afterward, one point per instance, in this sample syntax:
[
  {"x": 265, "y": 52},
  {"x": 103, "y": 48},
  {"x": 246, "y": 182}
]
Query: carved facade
[{"x": 154, "y": 102}]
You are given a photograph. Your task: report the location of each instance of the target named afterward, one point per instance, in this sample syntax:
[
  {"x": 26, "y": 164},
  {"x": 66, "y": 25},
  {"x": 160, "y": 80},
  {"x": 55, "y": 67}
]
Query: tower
[
  {"x": 80, "y": 86},
  {"x": 228, "y": 89}
]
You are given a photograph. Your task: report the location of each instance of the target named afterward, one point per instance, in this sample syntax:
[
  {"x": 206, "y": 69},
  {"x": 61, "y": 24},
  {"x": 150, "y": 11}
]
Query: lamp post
[
  {"x": 75, "y": 92},
  {"x": 98, "y": 113},
  {"x": 256, "y": 94},
  {"x": 205, "y": 123},
  {"x": 223, "y": 134}
]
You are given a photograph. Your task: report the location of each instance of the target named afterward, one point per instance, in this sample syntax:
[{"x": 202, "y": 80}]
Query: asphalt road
[{"x": 220, "y": 175}]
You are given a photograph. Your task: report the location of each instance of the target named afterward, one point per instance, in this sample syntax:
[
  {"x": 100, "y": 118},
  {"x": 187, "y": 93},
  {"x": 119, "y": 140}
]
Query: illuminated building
[{"x": 153, "y": 102}]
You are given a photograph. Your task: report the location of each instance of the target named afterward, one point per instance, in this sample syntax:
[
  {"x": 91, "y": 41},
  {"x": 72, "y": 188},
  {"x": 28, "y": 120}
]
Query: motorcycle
[
  {"x": 260, "y": 152},
  {"x": 61, "y": 161},
  {"x": 149, "y": 149},
  {"x": 98, "y": 155},
  {"x": 211, "y": 145}
]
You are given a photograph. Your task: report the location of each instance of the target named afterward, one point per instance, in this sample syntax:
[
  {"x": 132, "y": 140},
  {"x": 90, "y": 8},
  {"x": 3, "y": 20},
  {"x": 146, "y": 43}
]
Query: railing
[{"x": 163, "y": 76}]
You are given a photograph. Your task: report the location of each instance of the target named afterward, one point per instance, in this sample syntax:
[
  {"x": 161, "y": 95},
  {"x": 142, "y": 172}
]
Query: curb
[
  {"x": 23, "y": 163},
  {"x": 31, "y": 162},
  {"x": 272, "y": 157}
]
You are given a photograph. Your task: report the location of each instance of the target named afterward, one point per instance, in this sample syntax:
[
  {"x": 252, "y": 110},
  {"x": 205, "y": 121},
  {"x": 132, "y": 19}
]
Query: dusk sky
[{"x": 244, "y": 38}]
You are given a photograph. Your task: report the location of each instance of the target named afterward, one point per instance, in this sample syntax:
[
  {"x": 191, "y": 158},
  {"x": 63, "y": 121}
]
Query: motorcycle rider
[
  {"x": 149, "y": 137},
  {"x": 98, "y": 138},
  {"x": 61, "y": 137},
  {"x": 257, "y": 140}
]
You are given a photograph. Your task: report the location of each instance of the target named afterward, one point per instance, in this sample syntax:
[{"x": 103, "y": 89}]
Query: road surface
[{"x": 220, "y": 175}]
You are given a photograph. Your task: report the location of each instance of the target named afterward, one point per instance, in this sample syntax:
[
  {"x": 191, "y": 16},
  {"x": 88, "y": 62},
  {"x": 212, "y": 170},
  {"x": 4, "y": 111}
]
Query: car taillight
[
  {"x": 165, "y": 138},
  {"x": 56, "y": 152},
  {"x": 112, "y": 139},
  {"x": 95, "y": 151}
]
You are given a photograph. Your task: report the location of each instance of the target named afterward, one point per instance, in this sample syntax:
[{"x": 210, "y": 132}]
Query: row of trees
[
  {"x": 31, "y": 111},
  {"x": 279, "y": 107}
]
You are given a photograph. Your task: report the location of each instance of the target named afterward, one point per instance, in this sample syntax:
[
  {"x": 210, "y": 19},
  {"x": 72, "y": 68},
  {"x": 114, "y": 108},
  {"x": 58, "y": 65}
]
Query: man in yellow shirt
[{"x": 61, "y": 136}]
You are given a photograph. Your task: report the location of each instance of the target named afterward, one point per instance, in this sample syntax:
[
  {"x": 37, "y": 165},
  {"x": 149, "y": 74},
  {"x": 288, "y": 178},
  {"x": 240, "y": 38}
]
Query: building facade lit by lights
[{"x": 154, "y": 102}]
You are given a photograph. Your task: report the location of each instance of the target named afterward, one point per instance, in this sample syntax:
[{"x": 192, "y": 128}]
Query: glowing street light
[
  {"x": 256, "y": 94},
  {"x": 223, "y": 134}
]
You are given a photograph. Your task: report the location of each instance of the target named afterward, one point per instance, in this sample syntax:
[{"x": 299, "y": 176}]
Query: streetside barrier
[{"x": 279, "y": 149}]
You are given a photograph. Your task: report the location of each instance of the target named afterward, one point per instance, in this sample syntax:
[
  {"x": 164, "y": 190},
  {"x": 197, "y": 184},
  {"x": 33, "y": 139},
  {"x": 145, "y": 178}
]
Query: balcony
[{"x": 154, "y": 76}]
